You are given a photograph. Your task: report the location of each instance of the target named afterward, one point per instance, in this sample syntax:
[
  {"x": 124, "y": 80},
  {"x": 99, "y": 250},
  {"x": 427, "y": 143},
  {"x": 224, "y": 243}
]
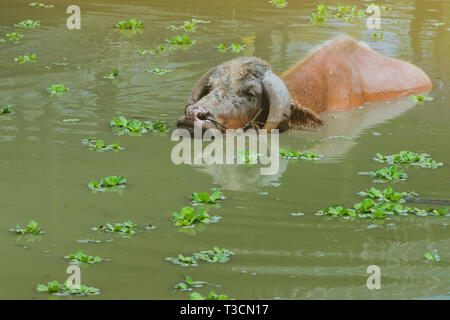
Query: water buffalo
[{"x": 339, "y": 75}]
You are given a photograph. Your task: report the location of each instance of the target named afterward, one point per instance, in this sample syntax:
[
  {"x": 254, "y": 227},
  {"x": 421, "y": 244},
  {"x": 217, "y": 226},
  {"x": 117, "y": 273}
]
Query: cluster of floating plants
[
  {"x": 80, "y": 257},
  {"x": 378, "y": 36},
  {"x": 124, "y": 228},
  {"x": 392, "y": 173},
  {"x": 211, "y": 296},
  {"x": 387, "y": 195},
  {"x": 41, "y": 5},
  {"x": 279, "y": 3},
  {"x": 14, "y": 36},
  {"x": 248, "y": 157},
  {"x": 122, "y": 125},
  {"x": 187, "y": 217},
  {"x": 347, "y": 13},
  {"x": 130, "y": 24},
  {"x": 26, "y": 58},
  {"x": 432, "y": 257},
  {"x": 234, "y": 47},
  {"x": 188, "y": 284},
  {"x": 28, "y": 24},
  {"x": 99, "y": 145},
  {"x": 188, "y": 26},
  {"x": 31, "y": 228},
  {"x": 111, "y": 183},
  {"x": 158, "y": 71},
  {"x": 306, "y": 155},
  {"x": 212, "y": 256},
  {"x": 57, "y": 89},
  {"x": 67, "y": 288},
  {"x": 422, "y": 160}
]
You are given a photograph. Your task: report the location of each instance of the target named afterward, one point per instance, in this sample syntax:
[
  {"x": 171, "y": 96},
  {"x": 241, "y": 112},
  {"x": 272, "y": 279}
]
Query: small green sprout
[
  {"x": 31, "y": 228},
  {"x": 5, "y": 110},
  {"x": 125, "y": 228},
  {"x": 41, "y": 5},
  {"x": 28, "y": 24},
  {"x": 279, "y": 3},
  {"x": 112, "y": 183},
  {"x": 376, "y": 35},
  {"x": 422, "y": 160},
  {"x": 81, "y": 257},
  {"x": 113, "y": 75},
  {"x": 57, "y": 89},
  {"x": 248, "y": 157},
  {"x": 236, "y": 47},
  {"x": 222, "y": 47},
  {"x": 130, "y": 24},
  {"x": 158, "y": 71},
  {"x": 433, "y": 257},
  {"x": 14, "y": 36},
  {"x": 136, "y": 127},
  {"x": 187, "y": 217},
  {"x": 211, "y": 296},
  {"x": 99, "y": 145},
  {"x": 67, "y": 288},
  {"x": 306, "y": 155},
  {"x": 204, "y": 197},
  {"x": 26, "y": 58},
  {"x": 420, "y": 98}
]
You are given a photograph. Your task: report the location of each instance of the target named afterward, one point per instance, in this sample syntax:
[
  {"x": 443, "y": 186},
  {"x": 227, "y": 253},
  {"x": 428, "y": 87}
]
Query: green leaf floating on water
[
  {"x": 31, "y": 228},
  {"x": 125, "y": 228},
  {"x": 130, "y": 24},
  {"x": 392, "y": 173},
  {"x": 306, "y": 155},
  {"x": 211, "y": 296},
  {"x": 188, "y": 217},
  {"x": 111, "y": 183},
  {"x": 81, "y": 257},
  {"x": 212, "y": 256},
  {"x": 387, "y": 194},
  {"x": 99, "y": 145},
  {"x": 204, "y": 197}
]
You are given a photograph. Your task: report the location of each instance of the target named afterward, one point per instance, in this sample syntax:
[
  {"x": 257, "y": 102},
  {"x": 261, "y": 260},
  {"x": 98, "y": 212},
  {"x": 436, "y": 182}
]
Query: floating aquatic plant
[
  {"x": 211, "y": 296},
  {"x": 81, "y": 257},
  {"x": 306, "y": 155},
  {"x": 211, "y": 256},
  {"x": 28, "y": 24},
  {"x": 113, "y": 75},
  {"x": 67, "y": 288},
  {"x": 279, "y": 3},
  {"x": 188, "y": 284},
  {"x": 205, "y": 197},
  {"x": 188, "y": 217},
  {"x": 130, "y": 24},
  {"x": 158, "y": 71},
  {"x": 57, "y": 89},
  {"x": 112, "y": 183},
  {"x": 180, "y": 40},
  {"x": 387, "y": 195},
  {"x": 145, "y": 51},
  {"x": 41, "y": 5},
  {"x": 347, "y": 13},
  {"x": 247, "y": 157},
  {"x": 99, "y": 145},
  {"x": 2, "y": 40},
  {"x": 188, "y": 26},
  {"x": 14, "y": 36},
  {"x": 432, "y": 256},
  {"x": 26, "y": 58},
  {"x": 422, "y": 160},
  {"x": 122, "y": 125},
  {"x": 125, "y": 228},
  {"x": 377, "y": 35},
  {"x": 5, "y": 110},
  {"x": 392, "y": 173},
  {"x": 31, "y": 228},
  {"x": 420, "y": 98}
]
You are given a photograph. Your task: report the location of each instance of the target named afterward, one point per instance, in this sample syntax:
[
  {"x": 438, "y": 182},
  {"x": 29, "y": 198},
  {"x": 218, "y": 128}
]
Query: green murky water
[{"x": 45, "y": 169}]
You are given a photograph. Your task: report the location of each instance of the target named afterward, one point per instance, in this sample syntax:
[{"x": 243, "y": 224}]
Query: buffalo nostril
[{"x": 203, "y": 115}]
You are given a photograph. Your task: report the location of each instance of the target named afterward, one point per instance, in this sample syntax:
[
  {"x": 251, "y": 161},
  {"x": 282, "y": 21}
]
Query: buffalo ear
[
  {"x": 279, "y": 99},
  {"x": 201, "y": 88},
  {"x": 303, "y": 116}
]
